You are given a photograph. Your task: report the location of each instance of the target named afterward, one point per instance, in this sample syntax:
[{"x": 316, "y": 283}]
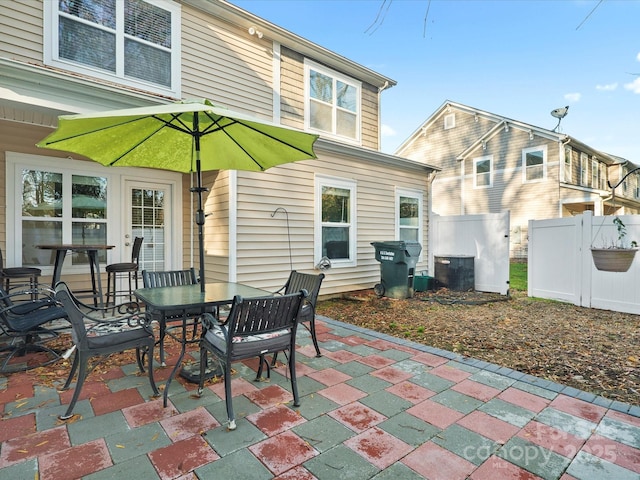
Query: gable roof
[{"x": 506, "y": 123}]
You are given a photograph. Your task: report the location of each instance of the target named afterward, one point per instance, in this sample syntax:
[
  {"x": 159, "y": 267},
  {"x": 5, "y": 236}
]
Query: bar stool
[
  {"x": 118, "y": 270},
  {"x": 15, "y": 273}
]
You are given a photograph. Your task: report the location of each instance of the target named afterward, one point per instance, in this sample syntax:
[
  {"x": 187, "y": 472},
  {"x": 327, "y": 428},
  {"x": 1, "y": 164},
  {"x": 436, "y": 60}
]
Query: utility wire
[
  {"x": 424, "y": 29},
  {"x": 381, "y": 19},
  {"x": 587, "y": 17}
]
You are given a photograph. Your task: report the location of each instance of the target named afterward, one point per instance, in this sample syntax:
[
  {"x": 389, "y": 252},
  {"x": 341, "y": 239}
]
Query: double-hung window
[
  {"x": 584, "y": 172},
  {"x": 482, "y": 172},
  {"x": 568, "y": 177},
  {"x": 335, "y": 220},
  {"x": 131, "y": 42},
  {"x": 332, "y": 103},
  {"x": 595, "y": 173},
  {"x": 534, "y": 164},
  {"x": 409, "y": 215}
]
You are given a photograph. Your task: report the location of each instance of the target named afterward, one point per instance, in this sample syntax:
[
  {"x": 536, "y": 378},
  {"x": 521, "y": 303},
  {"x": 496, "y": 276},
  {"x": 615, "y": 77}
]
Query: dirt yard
[{"x": 593, "y": 350}]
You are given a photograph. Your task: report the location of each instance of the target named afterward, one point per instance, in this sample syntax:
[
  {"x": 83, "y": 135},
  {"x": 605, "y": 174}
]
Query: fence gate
[{"x": 485, "y": 237}]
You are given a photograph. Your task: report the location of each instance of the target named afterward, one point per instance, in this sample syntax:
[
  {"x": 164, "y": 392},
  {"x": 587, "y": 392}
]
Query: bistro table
[
  {"x": 92, "y": 252},
  {"x": 187, "y": 298}
]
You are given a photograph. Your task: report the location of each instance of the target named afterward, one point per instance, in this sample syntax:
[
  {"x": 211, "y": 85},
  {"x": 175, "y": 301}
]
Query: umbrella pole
[{"x": 200, "y": 212}]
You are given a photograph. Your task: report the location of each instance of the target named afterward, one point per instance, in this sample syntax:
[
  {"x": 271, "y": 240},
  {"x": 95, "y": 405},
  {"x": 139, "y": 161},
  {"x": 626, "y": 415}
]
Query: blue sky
[{"x": 515, "y": 58}]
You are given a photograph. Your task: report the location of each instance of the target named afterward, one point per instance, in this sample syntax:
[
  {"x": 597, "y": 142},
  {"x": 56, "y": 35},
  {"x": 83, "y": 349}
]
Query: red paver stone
[
  {"x": 391, "y": 374},
  {"x": 193, "y": 422},
  {"x": 488, "y": 426},
  {"x": 551, "y": 438},
  {"x": 352, "y": 340},
  {"x": 476, "y": 390},
  {"x": 182, "y": 457},
  {"x": 16, "y": 392},
  {"x": 623, "y": 417},
  {"x": 330, "y": 376},
  {"x": 75, "y": 462},
  {"x": 566, "y": 476},
  {"x": 112, "y": 402},
  {"x": 579, "y": 408},
  {"x": 343, "y": 356},
  {"x": 101, "y": 375},
  {"x": 325, "y": 337},
  {"x": 381, "y": 344},
  {"x": 378, "y": 447},
  {"x": 524, "y": 399},
  {"x": 17, "y": 426},
  {"x": 376, "y": 361},
  {"x": 450, "y": 373},
  {"x": 357, "y": 416},
  {"x": 149, "y": 412},
  {"x": 32, "y": 445},
  {"x": 301, "y": 369},
  {"x": 435, "y": 413},
  {"x": 309, "y": 351},
  {"x": 497, "y": 468},
  {"x": 90, "y": 390},
  {"x": 239, "y": 386},
  {"x": 275, "y": 420},
  {"x": 430, "y": 359},
  {"x": 614, "y": 452},
  {"x": 270, "y": 396},
  {"x": 283, "y": 452},
  {"x": 296, "y": 473},
  {"x": 436, "y": 463},
  {"x": 342, "y": 393},
  {"x": 411, "y": 392}
]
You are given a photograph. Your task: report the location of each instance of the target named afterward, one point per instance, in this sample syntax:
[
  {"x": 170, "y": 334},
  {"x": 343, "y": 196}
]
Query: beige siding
[
  {"x": 263, "y": 250},
  {"x": 370, "y": 117},
  {"x": 226, "y": 64},
  {"x": 21, "y": 27}
]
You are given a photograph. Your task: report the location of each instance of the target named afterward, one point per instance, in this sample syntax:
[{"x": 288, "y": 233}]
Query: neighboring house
[
  {"x": 490, "y": 164},
  {"x": 76, "y": 57}
]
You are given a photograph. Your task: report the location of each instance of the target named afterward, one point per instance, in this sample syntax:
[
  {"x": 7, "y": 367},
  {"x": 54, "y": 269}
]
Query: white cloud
[
  {"x": 387, "y": 131},
  {"x": 572, "y": 97},
  {"x": 610, "y": 87},
  {"x": 633, "y": 86}
]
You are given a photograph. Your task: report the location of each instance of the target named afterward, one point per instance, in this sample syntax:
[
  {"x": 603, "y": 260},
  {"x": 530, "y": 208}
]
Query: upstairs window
[
  {"x": 568, "y": 172},
  {"x": 482, "y": 172},
  {"x": 335, "y": 221},
  {"x": 332, "y": 103},
  {"x": 584, "y": 172},
  {"x": 132, "y": 42},
  {"x": 534, "y": 164},
  {"x": 595, "y": 173},
  {"x": 450, "y": 121}
]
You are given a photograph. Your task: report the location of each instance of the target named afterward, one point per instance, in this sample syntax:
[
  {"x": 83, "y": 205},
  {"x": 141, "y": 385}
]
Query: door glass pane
[{"x": 148, "y": 221}]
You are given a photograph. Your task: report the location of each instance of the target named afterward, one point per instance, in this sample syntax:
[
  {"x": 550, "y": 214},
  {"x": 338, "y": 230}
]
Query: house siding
[{"x": 21, "y": 27}]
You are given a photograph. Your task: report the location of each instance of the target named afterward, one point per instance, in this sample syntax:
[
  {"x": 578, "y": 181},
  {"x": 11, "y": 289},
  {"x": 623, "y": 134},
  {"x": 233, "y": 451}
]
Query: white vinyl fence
[{"x": 561, "y": 267}]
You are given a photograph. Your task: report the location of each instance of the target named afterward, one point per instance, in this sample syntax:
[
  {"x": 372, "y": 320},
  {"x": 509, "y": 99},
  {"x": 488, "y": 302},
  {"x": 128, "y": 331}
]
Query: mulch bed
[{"x": 593, "y": 350}]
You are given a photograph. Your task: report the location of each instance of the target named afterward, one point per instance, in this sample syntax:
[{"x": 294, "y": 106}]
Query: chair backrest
[
  {"x": 304, "y": 281},
  {"x": 74, "y": 314},
  {"x": 171, "y": 278},
  {"x": 262, "y": 315},
  {"x": 135, "y": 251}
]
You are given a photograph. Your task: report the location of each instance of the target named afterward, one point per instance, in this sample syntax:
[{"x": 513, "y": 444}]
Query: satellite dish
[{"x": 559, "y": 113}]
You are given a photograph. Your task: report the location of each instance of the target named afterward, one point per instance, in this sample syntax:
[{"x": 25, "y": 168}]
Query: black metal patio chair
[
  {"x": 128, "y": 270},
  {"x": 24, "y": 315},
  {"x": 255, "y": 327},
  {"x": 95, "y": 335},
  {"x": 311, "y": 283}
]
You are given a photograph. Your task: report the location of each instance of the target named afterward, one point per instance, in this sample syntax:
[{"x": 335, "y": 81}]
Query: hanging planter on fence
[{"x": 613, "y": 259}]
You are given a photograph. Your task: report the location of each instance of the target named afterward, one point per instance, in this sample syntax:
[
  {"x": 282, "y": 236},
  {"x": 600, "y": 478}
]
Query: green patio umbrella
[{"x": 188, "y": 136}]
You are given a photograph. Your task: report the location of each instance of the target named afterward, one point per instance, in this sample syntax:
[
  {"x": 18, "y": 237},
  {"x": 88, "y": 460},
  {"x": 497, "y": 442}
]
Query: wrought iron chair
[
  {"x": 97, "y": 336},
  {"x": 254, "y": 327},
  {"x": 23, "y": 318},
  {"x": 311, "y": 283},
  {"x": 32, "y": 274},
  {"x": 116, "y": 270},
  {"x": 171, "y": 278}
]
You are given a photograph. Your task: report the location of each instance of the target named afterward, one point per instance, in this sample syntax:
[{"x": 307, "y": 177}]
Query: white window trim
[
  {"x": 584, "y": 177},
  {"x": 310, "y": 65},
  {"x": 475, "y": 173},
  {"x": 595, "y": 179},
  {"x": 50, "y": 44},
  {"x": 568, "y": 150},
  {"x": 543, "y": 148},
  {"x": 449, "y": 121},
  {"x": 351, "y": 185},
  {"x": 405, "y": 192}
]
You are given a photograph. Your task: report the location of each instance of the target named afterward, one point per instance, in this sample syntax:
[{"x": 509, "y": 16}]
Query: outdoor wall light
[{"x": 255, "y": 31}]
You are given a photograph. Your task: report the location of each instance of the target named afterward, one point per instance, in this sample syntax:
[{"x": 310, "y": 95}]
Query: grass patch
[{"x": 518, "y": 276}]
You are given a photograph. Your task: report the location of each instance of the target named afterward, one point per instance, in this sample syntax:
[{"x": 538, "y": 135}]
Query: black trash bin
[{"x": 397, "y": 267}]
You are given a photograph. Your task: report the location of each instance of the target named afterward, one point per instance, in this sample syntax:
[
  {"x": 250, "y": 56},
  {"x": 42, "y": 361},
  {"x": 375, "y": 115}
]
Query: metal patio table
[{"x": 186, "y": 298}]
